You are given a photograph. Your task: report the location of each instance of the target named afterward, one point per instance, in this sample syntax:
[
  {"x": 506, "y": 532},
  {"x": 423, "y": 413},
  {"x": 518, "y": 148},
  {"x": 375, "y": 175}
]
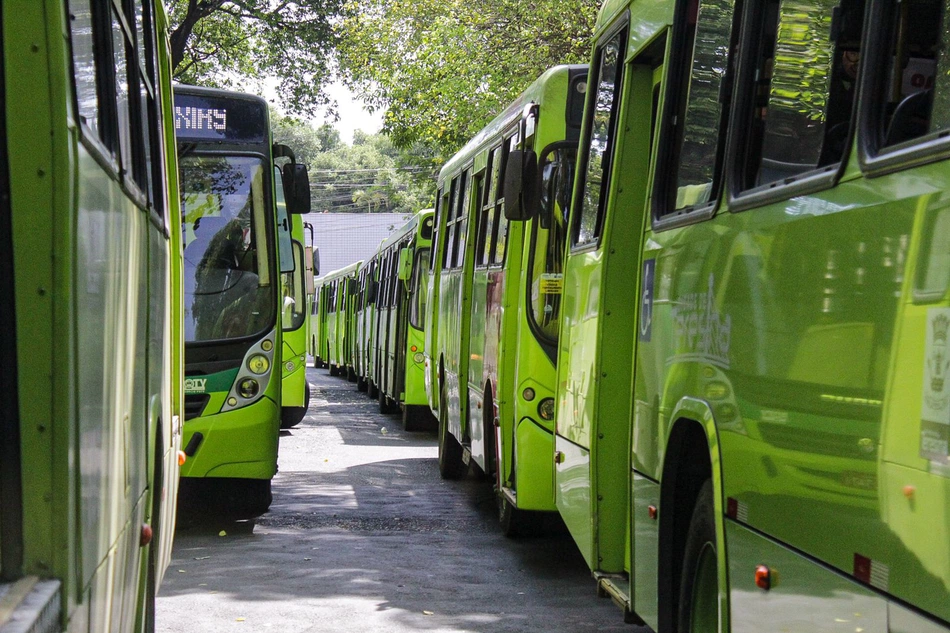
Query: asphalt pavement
[{"x": 363, "y": 535}]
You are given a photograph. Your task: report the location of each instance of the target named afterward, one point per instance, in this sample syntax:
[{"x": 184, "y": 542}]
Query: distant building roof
[{"x": 344, "y": 238}]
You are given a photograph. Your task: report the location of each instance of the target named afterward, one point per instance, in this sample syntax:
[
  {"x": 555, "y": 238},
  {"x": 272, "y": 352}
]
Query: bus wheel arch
[{"x": 691, "y": 464}]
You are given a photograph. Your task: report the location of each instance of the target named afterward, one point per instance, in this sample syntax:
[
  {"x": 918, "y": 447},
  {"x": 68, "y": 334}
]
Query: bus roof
[
  {"x": 405, "y": 229},
  {"x": 341, "y": 272}
]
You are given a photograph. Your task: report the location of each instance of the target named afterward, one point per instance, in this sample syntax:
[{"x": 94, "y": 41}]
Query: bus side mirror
[
  {"x": 316, "y": 261},
  {"x": 296, "y": 188},
  {"x": 521, "y": 186},
  {"x": 405, "y": 264}
]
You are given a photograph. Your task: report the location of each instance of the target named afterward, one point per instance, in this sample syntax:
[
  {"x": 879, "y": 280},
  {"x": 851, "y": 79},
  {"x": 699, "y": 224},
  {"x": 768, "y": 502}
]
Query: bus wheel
[
  {"x": 699, "y": 580},
  {"x": 292, "y": 416},
  {"x": 362, "y": 384},
  {"x": 516, "y": 522},
  {"x": 250, "y": 497},
  {"x": 417, "y": 417},
  {"x": 385, "y": 403},
  {"x": 371, "y": 389},
  {"x": 334, "y": 370},
  {"x": 350, "y": 374},
  {"x": 451, "y": 465}
]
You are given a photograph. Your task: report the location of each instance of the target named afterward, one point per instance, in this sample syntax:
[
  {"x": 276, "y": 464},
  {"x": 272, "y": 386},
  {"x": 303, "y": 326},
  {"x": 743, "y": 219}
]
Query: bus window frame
[
  {"x": 620, "y": 30},
  {"x": 879, "y": 161},
  {"x": 810, "y": 182}
]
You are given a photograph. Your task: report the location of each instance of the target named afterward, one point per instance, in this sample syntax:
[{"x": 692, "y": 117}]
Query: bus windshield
[{"x": 229, "y": 292}]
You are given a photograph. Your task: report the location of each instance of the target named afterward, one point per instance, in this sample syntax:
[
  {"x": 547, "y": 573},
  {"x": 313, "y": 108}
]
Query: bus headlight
[
  {"x": 267, "y": 346},
  {"x": 528, "y": 394},
  {"x": 418, "y": 357},
  {"x": 258, "y": 364},
  {"x": 248, "y": 388},
  {"x": 546, "y": 409}
]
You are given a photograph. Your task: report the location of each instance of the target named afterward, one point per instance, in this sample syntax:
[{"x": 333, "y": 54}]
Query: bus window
[
  {"x": 448, "y": 253},
  {"x": 417, "y": 289},
  {"x": 794, "y": 131},
  {"x": 436, "y": 232},
  {"x": 461, "y": 222},
  {"x": 547, "y": 245},
  {"x": 501, "y": 222},
  {"x": 86, "y": 68},
  {"x": 913, "y": 91},
  {"x": 600, "y": 144},
  {"x": 696, "y": 102},
  {"x": 491, "y": 197}
]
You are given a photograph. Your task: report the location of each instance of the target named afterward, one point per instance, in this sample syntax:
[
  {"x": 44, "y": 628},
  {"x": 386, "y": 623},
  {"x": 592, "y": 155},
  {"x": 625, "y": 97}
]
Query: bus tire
[
  {"x": 362, "y": 384},
  {"x": 350, "y": 374},
  {"x": 514, "y": 521},
  {"x": 385, "y": 403},
  {"x": 698, "y": 607},
  {"x": 334, "y": 370},
  {"x": 251, "y": 498},
  {"x": 371, "y": 389},
  {"x": 451, "y": 465},
  {"x": 416, "y": 417}
]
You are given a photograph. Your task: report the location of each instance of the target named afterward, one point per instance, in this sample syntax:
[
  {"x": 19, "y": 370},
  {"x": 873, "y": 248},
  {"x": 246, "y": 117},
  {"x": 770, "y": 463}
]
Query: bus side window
[
  {"x": 448, "y": 252},
  {"x": 791, "y": 131},
  {"x": 490, "y": 205},
  {"x": 436, "y": 233},
  {"x": 501, "y": 222},
  {"x": 911, "y": 77},
  {"x": 694, "y": 114},
  {"x": 603, "y": 112},
  {"x": 89, "y": 70},
  {"x": 461, "y": 221}
]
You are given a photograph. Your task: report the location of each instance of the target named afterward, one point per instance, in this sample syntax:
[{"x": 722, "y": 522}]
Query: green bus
[
  {"x": 752, "y": 420},
  {"x": 499, "y": 284},
  {"x": 295, "y": 322},
  {"x": 319, "y": 348},
  {"x": 90, "y": 285},
  {"x": 338, "y": 324},
  {"x": 364, "y": 316},
  {"x": 237, "y": 243},
  {"x": 398, "y": 330}
]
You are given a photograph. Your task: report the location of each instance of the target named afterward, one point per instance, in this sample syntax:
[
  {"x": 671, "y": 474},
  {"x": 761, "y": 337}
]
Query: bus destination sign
[{"x": 211, "y": 118}]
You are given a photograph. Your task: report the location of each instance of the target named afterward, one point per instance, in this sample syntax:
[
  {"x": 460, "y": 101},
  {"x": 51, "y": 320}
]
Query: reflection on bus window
[{"x": 228, "y": 293}]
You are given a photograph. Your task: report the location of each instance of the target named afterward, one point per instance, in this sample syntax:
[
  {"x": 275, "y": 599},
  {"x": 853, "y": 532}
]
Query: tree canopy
[
  {"x": 228, "y": 43},
  {"x": 442, "y": 68},
  {"x": 368, "y": 176}
]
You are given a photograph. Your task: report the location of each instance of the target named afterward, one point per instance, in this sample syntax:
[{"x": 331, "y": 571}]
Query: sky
[{"x": 352, "y": 114}]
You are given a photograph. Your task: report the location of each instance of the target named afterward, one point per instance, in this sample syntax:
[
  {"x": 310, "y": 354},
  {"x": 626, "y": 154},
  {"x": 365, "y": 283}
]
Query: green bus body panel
[
  {"x": 414, "y": 391},
  {"x": 98, "y": 411},
  {"x": 236, "y": 443},
  {"x": 534, "y": 448},
  {"x": 645, "y": 549}
]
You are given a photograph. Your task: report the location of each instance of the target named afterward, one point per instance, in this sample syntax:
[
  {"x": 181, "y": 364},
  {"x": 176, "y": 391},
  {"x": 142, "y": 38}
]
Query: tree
[
  {"x": 369, "y": 176},
  {"x": 226, "y": 43},
  {"x": 443, "y": 68}
]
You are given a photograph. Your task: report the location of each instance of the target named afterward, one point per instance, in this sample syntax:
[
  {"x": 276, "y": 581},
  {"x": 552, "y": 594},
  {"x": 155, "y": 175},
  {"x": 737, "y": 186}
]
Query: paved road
[{"x": 363, "y": 535}]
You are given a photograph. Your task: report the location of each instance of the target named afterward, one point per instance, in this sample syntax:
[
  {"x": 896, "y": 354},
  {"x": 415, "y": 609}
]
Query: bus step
[{"x": 614, "y": 586}]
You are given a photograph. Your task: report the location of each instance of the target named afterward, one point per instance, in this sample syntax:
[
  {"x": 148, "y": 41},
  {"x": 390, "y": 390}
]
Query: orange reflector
[
  {"x": 414, "y": 348},
  {"x": 763, "y": 577},
  {"x": 652, "y": 511},
  {"x": 146, "y": 536},
  {"x": 909, "y": 491},
  {"x": 181, "y": 458}
]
